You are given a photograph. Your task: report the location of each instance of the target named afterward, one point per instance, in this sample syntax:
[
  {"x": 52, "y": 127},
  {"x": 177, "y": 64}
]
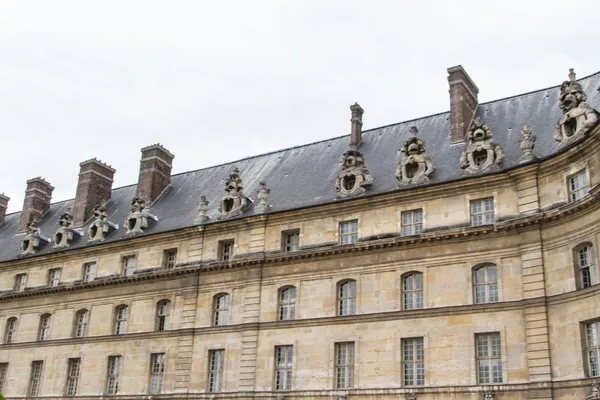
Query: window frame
[
  {"x": 113, "y": 378},
  {"x": 157, "y": 377},
  {"x": 10, "y": 330},
  {"x": 3, "y": 375},
  {"x": 218, "y": 311},
  {"x": 35, "y": 378},
  {"x": 415, "y": 362},
  {"x": 78, "y": 323},
  {"x": 163, "y": 319},
  {"x": 44, "y": 327},
  {"x": 350, "y": 237},
  {"x": 284, "y": 377},
  {"x": 484, "y": 213},
  {"x": 170, "y": 258},
  {"x": 347, "y": 369},
  {"x": 71, "y": 363},
  {"x": 414, "y": 228},
  {"x": 346, "y": 304},
  {"x": 595, "y": 348},
  {"x": 415, "y": 293},
  {"x": 489, "y": 287},
  {"x": 127, "y": 269},
  {"x": 288, "y": 246},
  {"x": 90, "y": 276},
  {"x": 490, "y": 358},
  {"x": 216, "y": 370},
  {"x": 20, "y": 282},
  {"x": 226, "y": 250},
  {"x": 54, "y": 281},
  {"x": 592, "y": 265},
  {"x": 583, "y": 190},
  {"x": 286, "y": 307},
  {"x": 120, "y": 322}
]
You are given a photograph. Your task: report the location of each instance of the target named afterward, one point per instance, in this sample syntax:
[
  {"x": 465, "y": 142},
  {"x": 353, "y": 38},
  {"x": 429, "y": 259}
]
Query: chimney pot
[
  {"x": 37, "y": 201},
  {"x": 463, "y": 102},
  {"x": 3, "y": 206},
  {"x": 155, "y": 172},
  {"x": 94, "y": 186},
  {"x": 356, "y": 125}
]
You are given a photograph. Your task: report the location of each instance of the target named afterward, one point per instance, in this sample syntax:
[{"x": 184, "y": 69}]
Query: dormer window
[{"x": 578, "y": 186}]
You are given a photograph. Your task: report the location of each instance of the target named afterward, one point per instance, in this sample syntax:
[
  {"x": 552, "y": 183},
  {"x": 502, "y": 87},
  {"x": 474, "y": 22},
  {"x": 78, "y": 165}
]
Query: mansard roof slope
[{"x": 305, "y": 176}]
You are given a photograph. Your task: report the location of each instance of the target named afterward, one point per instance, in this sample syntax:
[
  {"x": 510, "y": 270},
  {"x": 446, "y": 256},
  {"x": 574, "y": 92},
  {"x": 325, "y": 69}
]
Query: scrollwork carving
[
  {"x": 354, "y": 178},
  {"x": 33, "y": 240},
  {"x": 482, "y": 153},
  {"x": 234, "y": 202},
  {"x": 137, "y": 221},
  {"x": 63, "y": 237},
  {"x": 416, "y": 165}
]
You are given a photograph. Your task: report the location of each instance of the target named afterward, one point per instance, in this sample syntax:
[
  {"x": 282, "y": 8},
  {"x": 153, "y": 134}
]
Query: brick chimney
[
  {"x": 356, "y": 125},
  {"x": 3, "y": 206},
  {"x": 155, "y": 172},
  {"x": 463, "y": 102},
  {"x": 94, "y": 186},
  {"x": 37, "y": 200}
]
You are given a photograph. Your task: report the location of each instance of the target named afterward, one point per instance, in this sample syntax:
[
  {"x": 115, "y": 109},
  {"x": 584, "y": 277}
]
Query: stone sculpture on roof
[
  {"x": 100, "y": 228},
  {"x": 32, "y": 240},
  {"x": 578, "y": 116},
  {"x": 202, "y": 209},
  {"x": 263, "y": 198},
  {"x": 137, "y": 221},
  {"x": 527, "y": 144},
  {"x": 354, "y": 178},
  {"x": 65, "y": 234},
  {"x": 234, "y": 202},
  {"x": 482, "y": 153},
  {"x": 416, "y": 165}
]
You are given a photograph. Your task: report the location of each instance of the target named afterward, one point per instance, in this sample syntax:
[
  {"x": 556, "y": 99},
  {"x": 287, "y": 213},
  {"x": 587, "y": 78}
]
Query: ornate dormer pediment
[
  {"x": 33, "y": 240},
  {"x": 234, "y": 202},
  {"x": 578, "y": 117},
  {"x": 482, "y": 153},
  {"x": 137, "y": 221},
  {"x": 354, "y": 178},
  {"x": 416, "y": 165},
  {"x": 64, "y": 236},
  {"x": 101, "y": 227}
]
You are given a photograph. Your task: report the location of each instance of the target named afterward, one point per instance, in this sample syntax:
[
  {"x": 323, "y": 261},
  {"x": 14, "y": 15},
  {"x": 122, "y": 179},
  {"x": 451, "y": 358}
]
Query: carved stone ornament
[
  {"x": 202, "y": 209},
  {"x": 527, "y": 144},
  {"x": 263, "y": 198},
  {"x": 416, "y": 165},
  {"x": 354, "y": 178},
  {"x": 481, "y": 154},
  {"x": 595, "y": 392},
  {"x": 578, "y": 117},
  {"x": 63, "y": 237},
  {"x": 137, "y": 221},
  {"x": 489, "y": 395},
  {"x": 33, "y": 240},
  {"x": 99, "y": 229},
  {"x": 233, "y": 202},
  {"x": 411, "y": 396}
]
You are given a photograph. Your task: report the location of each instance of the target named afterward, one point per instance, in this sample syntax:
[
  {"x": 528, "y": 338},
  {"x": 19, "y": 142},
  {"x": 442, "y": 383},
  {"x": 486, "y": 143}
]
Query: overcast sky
[{"x": 215, "y": 81}]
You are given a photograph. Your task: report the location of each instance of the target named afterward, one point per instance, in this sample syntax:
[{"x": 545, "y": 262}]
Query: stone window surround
[
  {"x": 209, "y": 360},
  {"x": 15, "y": 330},
  {"x": 402, "y": 341},
  {"x": 165, "y": 254},
  {"x": 584, "y": 346},
  {"x": 213, "y": 310},
  {"x": 590, "y": 241},
  {"x": 411, "y": 210},
  {"x": 573, "y": 169},
  {"x": 489, "y": 350},
  {"x": 30, "y": 387},
  {"x": 219, "y": 344},
  {"x": 417, "y": 332},
  {"x": 86, "y": 261},
  {"x": 492, "y": 327},
  {"x": 333, "y": 340},
  {"x": 3, "y": 376},
  {"x": 50, "y": 273},
  {"x": 221, "y": 247},
  {"x": 480, "y": 196},
  {"x": 272, "y": 360},
  {"x": 46, "y": 336},
  {"x": 401, "y": 289},
  {"x": 151, "y": 360},
  {"x": 76, "y": 322},
  {"x": 295, "y": 302},
  {"x": 290, "y": 383},
  {"x": 570, "y": 192},
  {"x": 347, "y": 218},
  {"x": 122, "y": 262},
  {"x": 70, "y": 378},
  {"x": 284, "y": 235},
  {"x": 154, "y": 350},
  {"x": 168, "y": 325},
  {"x": 472, "y": 266},
  {"x": 113, "y": 329},
  {"x": 335, "y": 282},
  {"x": 121, "y": 364},
  {"x": 338, "y": 284},
  {"x": 18, "y": 285}
]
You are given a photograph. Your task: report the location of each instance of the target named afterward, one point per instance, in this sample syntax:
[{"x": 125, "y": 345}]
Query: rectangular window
[
  {"x": 413, "y": 362},
  {"x": 344, "y": 365},
  {"x": 89, "y": 271},
  {"x": 157, "y": 371},
  {"x": 113, "y": 374},
  {"x": 412, "y": 222},
  {"x": 128, "y": 265},
  {"x": 578, "y": 186},
  {"x": 226, "y": 250},
  {"x": 349, "y": 232},
  {"x": 482, "y": 212},
  {"x": 291, "y": 241},
  {"x": 489, "y": 358},
  {"x": 3, "y": 372},
  {"x": 592, "y": 331},
  {"x": 170, "y": 258},
  {"x": 215, "y": 370},
  {"x": 20, "y": 282},
  {"x": 35, "y": 380},
  {"x": 73, "y": 368},
  {"x": 54, "y": 277},
  {"x": 284, "y": 359}
]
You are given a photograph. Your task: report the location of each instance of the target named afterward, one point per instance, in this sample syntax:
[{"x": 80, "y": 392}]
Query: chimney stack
[
  {"x": 356, "y": 123},
  {"x": 463, "y": 102},
  {"x": 37, "y": 201},
  {"x": 3, "y": 206},
  {"x": 94, "y": 186},
  {"x": 155, "y": 172}
]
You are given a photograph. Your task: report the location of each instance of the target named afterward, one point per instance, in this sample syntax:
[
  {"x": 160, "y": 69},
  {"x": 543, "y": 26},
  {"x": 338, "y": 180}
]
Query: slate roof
[{"x": 305, "y": 175}]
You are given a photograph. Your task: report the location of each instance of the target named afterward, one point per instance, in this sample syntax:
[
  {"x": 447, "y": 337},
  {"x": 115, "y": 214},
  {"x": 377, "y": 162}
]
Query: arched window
[
  {"x": 81, "y": 323},
  {"x": 287, "y": 303},
  {"x": 221, "y": 309},
  {"x": 44, "y": 330},
  {"x": 11, "y": 330},
  {"x": 121, "y": 316},
  {"x": 163, "y": 315},
  {"x": 347, "y": 297},
  {"x": 412, "y": 291},
  {"x": 588, "y": 275},
  {"x": 485, "y": 281}
]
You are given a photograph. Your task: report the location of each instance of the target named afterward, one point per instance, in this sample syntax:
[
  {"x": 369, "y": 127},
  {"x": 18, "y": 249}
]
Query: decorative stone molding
[
  {"x": 279, "y": 396},
  {"x": 33, "y": 240},
  {"x": 411, "y": 396},
  {"x": 342, "y": 397},
  {"x": 527, "y": 144},
  {"x": 263, "y": 198},
  {"x": 63, "y": 237},
  {"x": 416, "y": 165},
  {"x": 137, "y": 221},
  {"x": 354, "y": 178},
  {"x": 482, "y": 153},
  {"x": 234, "y": 202},
  {"x": 578, "y": 117},
  {"x": 489, "y": 395},
  {"x": 202, "y": 209},
  {"x": 595, "y": 392},
  {"x": 101, "y": 227}
]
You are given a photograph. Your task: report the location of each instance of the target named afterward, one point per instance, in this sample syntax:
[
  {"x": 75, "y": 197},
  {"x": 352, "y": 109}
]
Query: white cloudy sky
[{"x": 214, "y": 81}]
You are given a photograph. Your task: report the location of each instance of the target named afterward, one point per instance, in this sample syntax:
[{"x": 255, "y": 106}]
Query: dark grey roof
[{"x": 305, "y": 175}]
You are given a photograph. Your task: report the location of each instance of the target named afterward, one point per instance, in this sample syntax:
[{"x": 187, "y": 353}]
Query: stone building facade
[{"x": 449, "y": 257}]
